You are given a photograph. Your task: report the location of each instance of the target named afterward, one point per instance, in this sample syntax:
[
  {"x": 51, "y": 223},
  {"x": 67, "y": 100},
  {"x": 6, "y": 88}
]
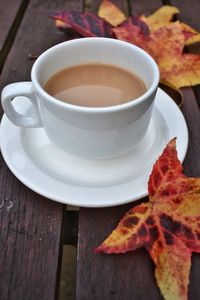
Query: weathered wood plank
[
  {"x": 30, "y": 225},
  {"x": 127, "y": 276},
  {"x": 70, "y": 234},
  {"x": 37, "y": 35},
  {"x": 144, "y": 7},
  {"x": 12, "y": 14},
  {"x": 93, "y": 6},
  {"x": 122, "y": 276},
  {"x": 191, "y": 112},
  {"x": 130, "y": 276},
  {"x": 189, "y": 13},
  {"x": 9, "y": 10}
]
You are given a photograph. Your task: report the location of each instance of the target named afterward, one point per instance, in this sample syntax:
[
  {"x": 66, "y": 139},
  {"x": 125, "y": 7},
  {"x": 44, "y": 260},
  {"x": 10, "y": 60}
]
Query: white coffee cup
[{"x": 90, "y": 132}]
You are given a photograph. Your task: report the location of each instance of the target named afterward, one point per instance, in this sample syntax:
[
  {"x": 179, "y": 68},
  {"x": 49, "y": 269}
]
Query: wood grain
[
  {"x": 11, "y": 15},
  {"x": 189, "y": 13},
  {"x": 93, "y": 6},
  {"x": 101, "y": 276},
  {"x": 8, "y": 11},
  {"x": 130, "y": 275},
  {"x": 30, "y": 225},
  {"x": 144, "y": 7},
  {"x": 127, "y": 276}
]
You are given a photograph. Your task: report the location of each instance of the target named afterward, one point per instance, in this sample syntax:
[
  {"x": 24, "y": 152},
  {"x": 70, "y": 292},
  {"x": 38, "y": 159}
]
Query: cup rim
[{"x": 100, "y": 109}]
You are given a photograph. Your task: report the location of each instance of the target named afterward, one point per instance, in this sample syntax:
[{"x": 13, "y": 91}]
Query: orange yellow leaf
[
  {"x": 111, "y": 13},
  {"x": 177, "y": 255},
  {"x": 125, "y": 237},
  {"x": 161, "y": 17},
  {"x": 168, "y": 226},
  {"x": 60, "y": 24},
  {"x": 165, "y": 45},
  {"x": 157, "y": 34},
  {"x": 177, "y": 68}
]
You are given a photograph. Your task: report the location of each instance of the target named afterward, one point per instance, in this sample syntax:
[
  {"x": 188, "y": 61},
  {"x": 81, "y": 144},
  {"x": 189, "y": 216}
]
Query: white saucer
[{"x": 47, "y": 170}]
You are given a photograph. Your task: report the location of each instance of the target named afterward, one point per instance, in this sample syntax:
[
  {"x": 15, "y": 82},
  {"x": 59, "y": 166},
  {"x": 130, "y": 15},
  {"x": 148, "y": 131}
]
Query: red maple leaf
[
  {"x": 168, "y": 226},
  {"x": 133, "y": 30},
  {"x": 87, "y": 24}
]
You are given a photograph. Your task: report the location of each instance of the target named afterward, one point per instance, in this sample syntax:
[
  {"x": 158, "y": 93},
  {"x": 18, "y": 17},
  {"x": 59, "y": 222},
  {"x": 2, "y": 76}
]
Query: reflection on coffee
[{"x": 95, "y": 85}]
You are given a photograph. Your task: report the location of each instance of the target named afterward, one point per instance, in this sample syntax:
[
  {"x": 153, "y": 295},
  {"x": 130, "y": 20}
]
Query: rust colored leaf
[
  {"x": 87, "y": 24},
  {"x": 111, "y": 13},
  {"x": 168, "y": 226}
]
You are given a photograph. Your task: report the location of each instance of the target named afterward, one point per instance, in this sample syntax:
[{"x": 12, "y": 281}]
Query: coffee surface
[{"x": 95, "y": 85}]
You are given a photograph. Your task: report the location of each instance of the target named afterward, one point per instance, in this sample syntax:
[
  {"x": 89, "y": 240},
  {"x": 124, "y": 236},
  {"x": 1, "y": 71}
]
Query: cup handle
[{"x": 23, "y": 89}]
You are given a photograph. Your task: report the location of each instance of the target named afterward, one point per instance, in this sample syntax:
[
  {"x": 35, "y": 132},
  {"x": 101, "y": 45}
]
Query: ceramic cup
[{"x": 89, "y": 132}]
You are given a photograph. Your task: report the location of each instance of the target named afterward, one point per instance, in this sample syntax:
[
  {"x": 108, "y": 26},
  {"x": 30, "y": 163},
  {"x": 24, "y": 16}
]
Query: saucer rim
[{"x": 78, "y": 202}]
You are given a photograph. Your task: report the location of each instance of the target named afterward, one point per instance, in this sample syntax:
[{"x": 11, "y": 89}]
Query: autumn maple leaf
[
  {"x": 86, "y": 24},
  {"x": 166, "y": 46},
  {"x": 168, "y": 226},
  {"x": 157, "y": 34},
  {"x": 165, "y": 42},
  {"x": 163, "y": 17}
]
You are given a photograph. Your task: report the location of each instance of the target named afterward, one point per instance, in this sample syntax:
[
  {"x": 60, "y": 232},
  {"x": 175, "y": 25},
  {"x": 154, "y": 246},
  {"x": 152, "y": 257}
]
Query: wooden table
[{"x": 33, "y": 228}]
